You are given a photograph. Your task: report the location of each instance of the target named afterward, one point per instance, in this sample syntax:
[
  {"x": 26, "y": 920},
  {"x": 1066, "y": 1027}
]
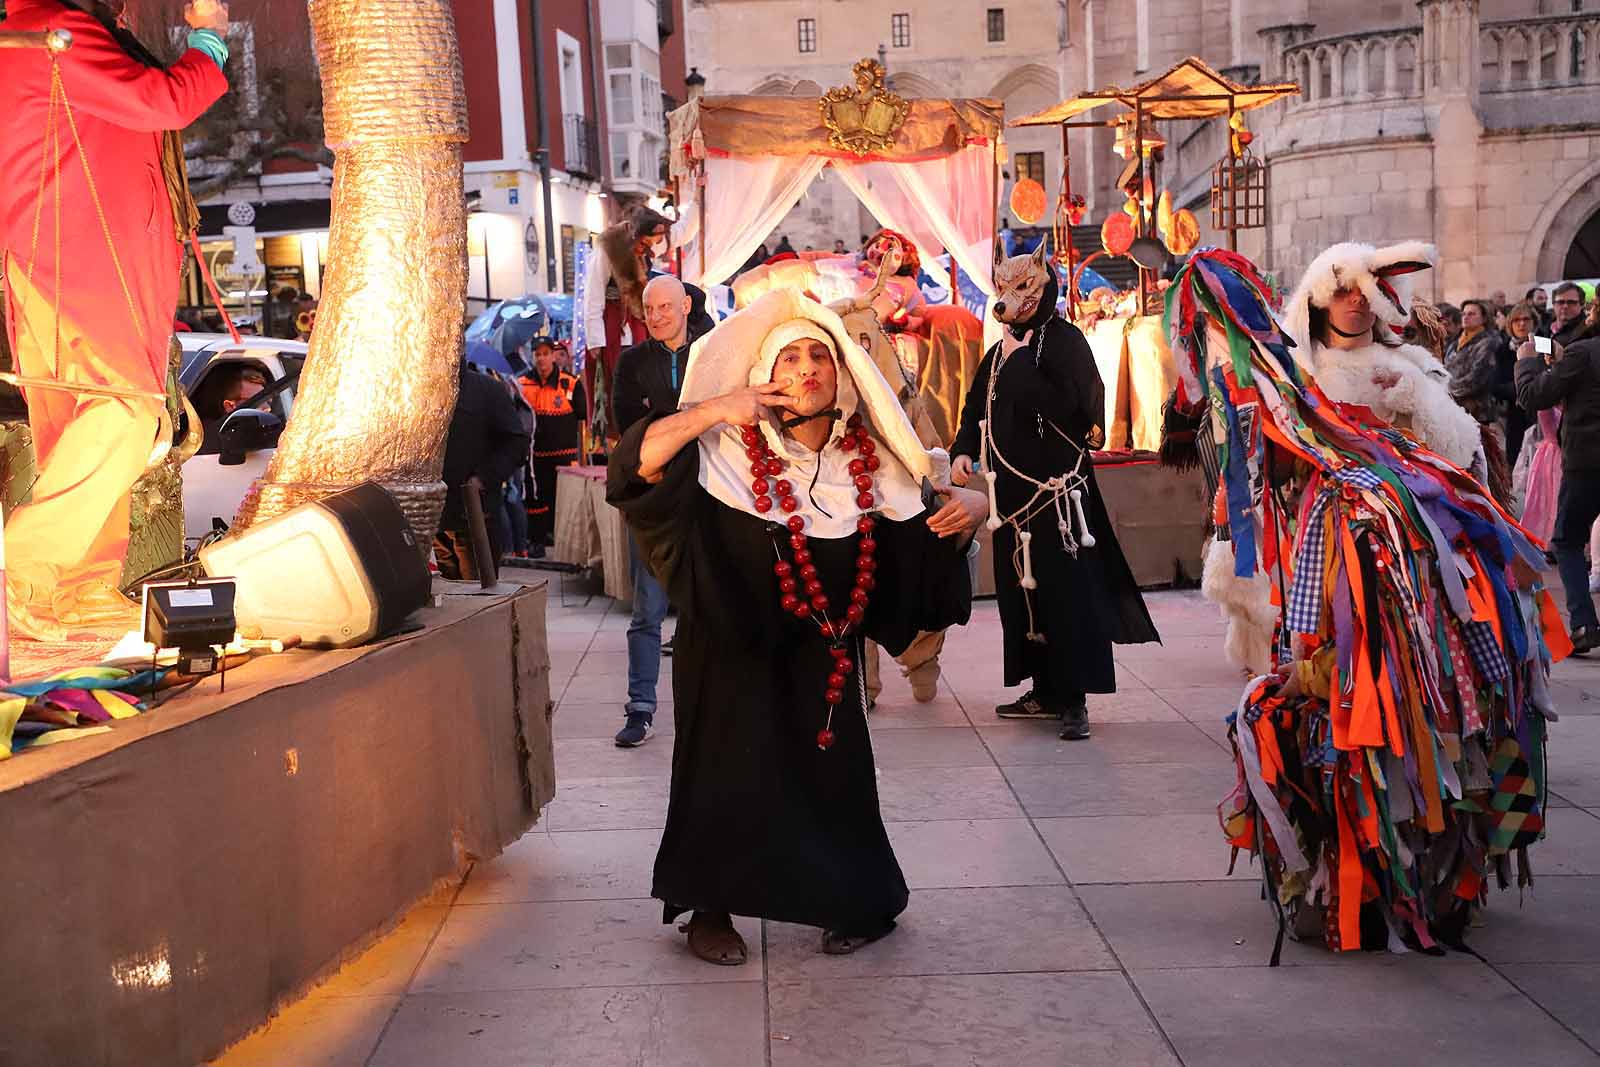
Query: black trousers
[
  {"x": 542, "y": 503},
  {"x": 1576, "y": 509}
]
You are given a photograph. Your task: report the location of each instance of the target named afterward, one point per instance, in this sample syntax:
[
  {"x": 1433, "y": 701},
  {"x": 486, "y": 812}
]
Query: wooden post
[
  {"x": 1138, "y": 205},
  {"x": 1065, "y": 199},
  {"x": 1233, "y": 186}
]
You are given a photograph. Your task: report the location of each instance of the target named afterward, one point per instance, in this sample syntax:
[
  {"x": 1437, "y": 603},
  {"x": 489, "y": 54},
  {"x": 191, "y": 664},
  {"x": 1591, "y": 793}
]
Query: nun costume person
[{"x": 786, "y": 520}]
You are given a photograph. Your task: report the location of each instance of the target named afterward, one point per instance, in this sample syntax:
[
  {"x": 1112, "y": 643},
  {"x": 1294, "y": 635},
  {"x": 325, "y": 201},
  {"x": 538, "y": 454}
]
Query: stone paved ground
[{"x": 1070, "y": 905}]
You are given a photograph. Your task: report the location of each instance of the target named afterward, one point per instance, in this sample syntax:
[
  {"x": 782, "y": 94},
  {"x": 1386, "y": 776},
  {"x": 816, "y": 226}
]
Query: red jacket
[{"x": 120, "y": 107}]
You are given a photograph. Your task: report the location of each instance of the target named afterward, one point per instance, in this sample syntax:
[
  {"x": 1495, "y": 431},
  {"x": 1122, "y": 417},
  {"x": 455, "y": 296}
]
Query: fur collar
[{"x": 1417, "y": 397}]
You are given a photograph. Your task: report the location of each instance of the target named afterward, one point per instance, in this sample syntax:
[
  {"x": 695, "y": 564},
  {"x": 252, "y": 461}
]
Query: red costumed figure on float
[{"x": 92, "y": 267}]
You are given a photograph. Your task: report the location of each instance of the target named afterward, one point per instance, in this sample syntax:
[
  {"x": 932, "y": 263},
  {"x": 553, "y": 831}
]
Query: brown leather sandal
[{"x": 713, "y": 938}]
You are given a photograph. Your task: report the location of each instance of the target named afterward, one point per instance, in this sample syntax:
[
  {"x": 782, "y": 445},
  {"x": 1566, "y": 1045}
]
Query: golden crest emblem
[{"x": 865, "y": 118}]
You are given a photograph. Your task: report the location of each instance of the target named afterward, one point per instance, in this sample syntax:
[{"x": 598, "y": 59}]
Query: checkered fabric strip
[
  {"x": 1359, "y": 477},
  {"x": 1485, "y": 651},
  {"x": 1304, "y": 615},
  {"x": 1514, "y": 816}
]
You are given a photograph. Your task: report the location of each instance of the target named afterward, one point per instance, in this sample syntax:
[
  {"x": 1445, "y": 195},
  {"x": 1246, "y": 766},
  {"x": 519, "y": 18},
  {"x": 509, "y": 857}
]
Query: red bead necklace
[{"x": 799, "y": 588}]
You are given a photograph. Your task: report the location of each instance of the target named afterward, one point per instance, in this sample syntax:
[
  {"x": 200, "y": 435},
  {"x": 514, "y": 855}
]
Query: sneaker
[
  {"x": 666, "y": 646},
  {"x": 535, "y": 552},
  {"x": 1075, "y": 723},
  {"x": 1028, "y": 707},
  {"x": 637, "y": 730},
  {"x": 1585, "y": 639}
]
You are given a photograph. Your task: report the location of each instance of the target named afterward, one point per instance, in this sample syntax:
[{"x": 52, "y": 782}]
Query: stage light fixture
[{"x": 195, "y": 617}]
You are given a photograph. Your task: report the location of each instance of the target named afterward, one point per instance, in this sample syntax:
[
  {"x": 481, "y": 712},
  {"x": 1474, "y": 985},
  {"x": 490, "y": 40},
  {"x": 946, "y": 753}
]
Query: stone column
[{"x": 1450, "y": 104}]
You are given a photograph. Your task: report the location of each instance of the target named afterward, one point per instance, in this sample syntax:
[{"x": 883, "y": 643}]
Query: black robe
[
  {"x": 1082, "y": 605},
  {"x": 760, "y": 821}
]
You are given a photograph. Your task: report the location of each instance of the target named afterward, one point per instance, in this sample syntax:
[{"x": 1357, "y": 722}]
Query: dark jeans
[{"x": 1576, "y": 510}]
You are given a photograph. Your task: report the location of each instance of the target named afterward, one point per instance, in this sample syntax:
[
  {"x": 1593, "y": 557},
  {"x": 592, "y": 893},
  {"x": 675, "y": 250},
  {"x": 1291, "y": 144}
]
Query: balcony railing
[
  {"x": 582, "y": 145},
  {"x": 1514, "y": 55},
  {"x": 1384, "y": 65},
  {"x": 1551, "y": 52}
]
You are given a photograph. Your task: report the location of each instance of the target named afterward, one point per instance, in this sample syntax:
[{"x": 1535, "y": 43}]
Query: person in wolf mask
[
  {"x": 104, "y": 196},
  {"x": 1029, "y": 421}
]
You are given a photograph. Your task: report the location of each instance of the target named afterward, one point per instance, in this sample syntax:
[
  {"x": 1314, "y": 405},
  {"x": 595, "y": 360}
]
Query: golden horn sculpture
[{"x": 379, "y": 386}]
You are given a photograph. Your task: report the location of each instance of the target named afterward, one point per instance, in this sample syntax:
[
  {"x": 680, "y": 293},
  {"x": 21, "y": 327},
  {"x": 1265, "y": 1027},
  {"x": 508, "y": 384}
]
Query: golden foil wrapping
[{"x": 379, "y": 385}]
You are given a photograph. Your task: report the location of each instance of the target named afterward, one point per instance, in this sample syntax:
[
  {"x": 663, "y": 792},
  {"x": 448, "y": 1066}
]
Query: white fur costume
[{"x": 1403, "y": 384}]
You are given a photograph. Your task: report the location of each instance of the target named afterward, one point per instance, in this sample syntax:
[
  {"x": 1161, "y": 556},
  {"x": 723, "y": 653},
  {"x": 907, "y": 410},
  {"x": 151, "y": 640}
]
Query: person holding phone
[{"x": 1548, "y": 374}]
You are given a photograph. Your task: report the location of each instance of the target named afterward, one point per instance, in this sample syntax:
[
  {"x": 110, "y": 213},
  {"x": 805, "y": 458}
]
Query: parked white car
[{"x": 216, "y": 479}]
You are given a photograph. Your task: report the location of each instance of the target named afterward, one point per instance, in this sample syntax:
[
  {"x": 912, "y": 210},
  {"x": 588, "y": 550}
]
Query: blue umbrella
[
  {"x": 510, "y": 324},
  {"x": 489, "y": 357}
]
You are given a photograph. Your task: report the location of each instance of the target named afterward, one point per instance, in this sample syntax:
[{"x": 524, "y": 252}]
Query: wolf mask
[{"x": 1025, "y": 290}]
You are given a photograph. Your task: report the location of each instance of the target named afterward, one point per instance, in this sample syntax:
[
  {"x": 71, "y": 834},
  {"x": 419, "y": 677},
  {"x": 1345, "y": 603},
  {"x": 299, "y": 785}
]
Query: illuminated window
[
  {"x": 808, "y": 35},
  {"x": 900, "y": 30}
]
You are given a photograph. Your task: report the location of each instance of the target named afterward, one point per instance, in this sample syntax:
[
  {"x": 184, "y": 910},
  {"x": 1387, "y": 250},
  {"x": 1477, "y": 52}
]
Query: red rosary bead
[
  {"x": 855, "y": 613},
  {"x": 857, "y": 467},
  {"x": 864, "y": 482},
  {"x": 782, "y": 568},
  {"x": 797, "y": 541},
  {"x": 864, "y": 500},
  {"x": 847, "y": 443},
  {"x": 783, "y": 488},
  {"x": 858, "y": 595},
  {"x": 759, "y": 468},
  {"x": 844, "y": 666},
  {"x": 867, "y": 447},
  {"x": 802, "y": 556},
  {"x": 808, "y": 571},
  {"x": 787, "y": 503},
  {"x": 867, "y": 563},
  {"x": 760, "y": 486},
  {"x": 813, "y": 587},
  {"x": 787, "y": 585},
  {"x": 866, "y": 581},
  {"x": 839, "y": 653},
  {"x": 819, "y": 601},
  {"x": 836, "y": 681},
  {"x": 872, "y": 463},
  {"x": 824, "y": 739},
  {"x": 755, "y": 452},
  {"x": 833, "y": 696},
  {"x": 802, "y": 610},
  {"x": 865, "y": 524},
  {"x": 789, "y": 601},
  {"x": 763, "y": 504},
  {"x": 796, "y": 524},
  {"x": 868, "y": 546},
  {"x": 774, "y": 467}
]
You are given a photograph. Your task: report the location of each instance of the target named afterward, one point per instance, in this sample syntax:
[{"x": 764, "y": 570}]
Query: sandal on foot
[
  {"x": 713, "y": 938},
  {"x": 835, "y": 943}
]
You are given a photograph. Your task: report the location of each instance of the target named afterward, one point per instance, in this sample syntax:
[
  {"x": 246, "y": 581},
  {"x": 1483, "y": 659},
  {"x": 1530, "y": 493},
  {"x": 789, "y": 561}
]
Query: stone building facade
[{"x": 1474, "y": 124}]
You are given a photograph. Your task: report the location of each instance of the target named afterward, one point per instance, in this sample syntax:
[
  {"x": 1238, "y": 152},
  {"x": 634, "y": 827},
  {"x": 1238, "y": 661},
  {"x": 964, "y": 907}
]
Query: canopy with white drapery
[{"x": 742, "y": 162}]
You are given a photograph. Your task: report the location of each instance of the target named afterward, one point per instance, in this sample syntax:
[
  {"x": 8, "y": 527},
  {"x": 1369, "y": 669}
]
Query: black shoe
[
  {"x": 1029, "y": 706},
  {"x": 637, "y": 731},
  {"x": 1585, "y": 639},
  {"x": 536, "y": 552},
  {"x": 1075, "y": 723},
  {"x": 666, "y": 646}
]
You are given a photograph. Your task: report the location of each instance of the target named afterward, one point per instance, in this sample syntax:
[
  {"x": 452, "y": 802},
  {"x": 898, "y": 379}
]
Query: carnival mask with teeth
[{"x": 1025, "y": 290}]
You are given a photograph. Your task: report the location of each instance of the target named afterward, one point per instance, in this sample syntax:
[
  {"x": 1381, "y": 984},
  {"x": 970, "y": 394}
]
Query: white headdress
[
  {"x": 741, "y": 352},
  {"x": 1380, "y": 273}
]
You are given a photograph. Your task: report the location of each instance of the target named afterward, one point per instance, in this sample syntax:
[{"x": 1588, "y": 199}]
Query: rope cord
[{"x": 1048, "y": 494}]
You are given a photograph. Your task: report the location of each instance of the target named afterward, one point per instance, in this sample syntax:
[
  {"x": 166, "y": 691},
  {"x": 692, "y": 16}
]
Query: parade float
[{"x": 219, "y": 824}]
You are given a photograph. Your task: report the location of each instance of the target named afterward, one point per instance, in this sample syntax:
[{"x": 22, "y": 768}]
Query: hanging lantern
[{"x": 1149, "y": 140}]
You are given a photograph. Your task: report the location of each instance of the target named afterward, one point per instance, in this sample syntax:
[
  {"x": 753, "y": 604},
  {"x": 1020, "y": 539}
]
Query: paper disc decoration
[
  {"x": 1184, "y": 233},
  {"x": 1164, "y": 213},
  {"x": 1027, "y": 201},
  {"x": 1116, "y": 234}
]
